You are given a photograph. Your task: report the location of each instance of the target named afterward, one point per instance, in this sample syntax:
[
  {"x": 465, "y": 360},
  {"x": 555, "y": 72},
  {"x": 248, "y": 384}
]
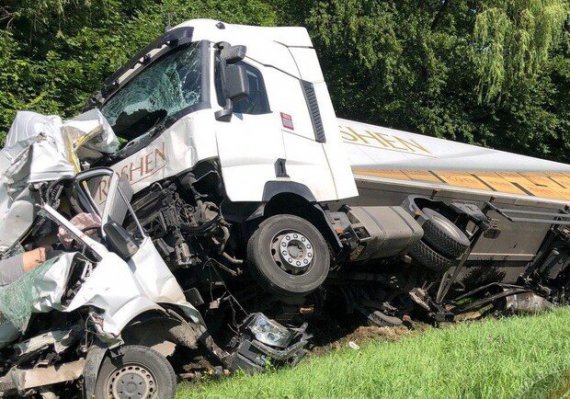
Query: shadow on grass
[{"x": 553, "y": 386}]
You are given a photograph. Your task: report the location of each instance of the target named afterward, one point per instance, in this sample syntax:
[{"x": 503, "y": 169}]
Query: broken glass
[{"x": 168, "y": 86}]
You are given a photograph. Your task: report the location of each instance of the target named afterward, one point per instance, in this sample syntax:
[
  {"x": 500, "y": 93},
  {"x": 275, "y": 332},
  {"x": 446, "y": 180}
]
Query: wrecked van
[{"x": 104, "y": 316}]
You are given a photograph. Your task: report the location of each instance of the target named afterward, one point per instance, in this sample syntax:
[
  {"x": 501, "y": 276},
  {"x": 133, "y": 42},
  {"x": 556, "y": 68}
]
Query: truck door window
[
  {"x": 166, "y": 87},
  {"x": 256, "y": 103}
]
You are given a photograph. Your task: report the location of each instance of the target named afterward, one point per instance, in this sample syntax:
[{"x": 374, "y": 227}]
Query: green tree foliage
[
  {"x": 513, "y": 41},
  {"x": 492, "y": 72},
  {"x": 487, "y": 72}
]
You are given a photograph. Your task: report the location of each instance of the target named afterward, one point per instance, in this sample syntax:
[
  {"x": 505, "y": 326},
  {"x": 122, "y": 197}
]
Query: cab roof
[{"x": 217, "y": 31}]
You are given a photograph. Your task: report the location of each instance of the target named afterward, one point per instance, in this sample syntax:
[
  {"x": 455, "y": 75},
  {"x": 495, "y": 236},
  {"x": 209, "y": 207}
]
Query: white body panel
[
  {"x": 177, "y": 149},
  {"x": 375, "y": 147},
  {"x": 397, "y": 158},
  {"x": 285, "y": 56},
  {"x": 136, "y": 287},
  {"x": 248, "y": 155},
  {"x": 44, "y": 148}
]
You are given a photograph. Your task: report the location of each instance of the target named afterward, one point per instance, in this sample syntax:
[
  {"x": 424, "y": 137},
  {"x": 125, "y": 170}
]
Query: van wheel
[
  {"x": 443, "y": 235},
  {"x": 288, "y": 256},
  {"x": 138, "y": 372}
]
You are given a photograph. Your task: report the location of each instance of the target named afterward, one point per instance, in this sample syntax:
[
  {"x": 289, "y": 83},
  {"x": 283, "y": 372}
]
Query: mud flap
[{"x": 93, "y": 362}]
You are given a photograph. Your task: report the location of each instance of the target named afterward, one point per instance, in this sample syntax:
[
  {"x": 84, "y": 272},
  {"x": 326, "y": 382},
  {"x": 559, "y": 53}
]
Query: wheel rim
[
  {"x": 132, "y": 382},
  {"x": 292, "y": 251}
]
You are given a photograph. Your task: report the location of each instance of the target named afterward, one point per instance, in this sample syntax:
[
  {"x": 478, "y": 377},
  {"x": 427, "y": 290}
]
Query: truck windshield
[{"x": 168, "y": 86}]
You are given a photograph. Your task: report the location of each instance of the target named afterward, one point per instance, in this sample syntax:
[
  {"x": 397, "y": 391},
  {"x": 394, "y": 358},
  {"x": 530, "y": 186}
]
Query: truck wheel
[
  {"x": 429, "y": 258},
  {"x": 443, "y": 235},
  {"x": 288, "y": 256},
  {"x": 139, "y": 372}
]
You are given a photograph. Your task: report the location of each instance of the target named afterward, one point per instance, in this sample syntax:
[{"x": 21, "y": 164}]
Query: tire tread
[
  {"x": 439, "y": 240},
  {"x": 423, "y": 254}
]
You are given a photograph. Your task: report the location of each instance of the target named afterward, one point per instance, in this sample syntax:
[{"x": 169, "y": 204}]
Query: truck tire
[
  {"x": 288, "y": 256},
  {"x": 426, "y": 256},
  {"x": 443, "y": 235},
  {"x": 139, "y": 372}
]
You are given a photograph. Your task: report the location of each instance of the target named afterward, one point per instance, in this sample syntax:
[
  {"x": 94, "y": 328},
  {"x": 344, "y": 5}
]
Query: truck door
[{"x": 250, "y": 145}]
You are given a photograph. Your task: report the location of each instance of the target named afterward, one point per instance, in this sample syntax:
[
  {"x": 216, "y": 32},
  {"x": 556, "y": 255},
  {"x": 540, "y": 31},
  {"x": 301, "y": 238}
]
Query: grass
[{"x": 518, "y": 357}]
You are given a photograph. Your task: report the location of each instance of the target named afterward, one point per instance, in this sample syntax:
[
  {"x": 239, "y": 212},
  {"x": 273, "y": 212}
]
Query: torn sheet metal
[
  {"x": 37, "y": 377},
  {"x": 43, "y": 148},
  {"x": 113, "y": 288},
  {"x": 136, "y": 286},
  {"x": 61, "y": 340},
  {"x": 157, "y": 280},
  {"x": 133, "y": 288},
  {"x": 87, "y": 137}
]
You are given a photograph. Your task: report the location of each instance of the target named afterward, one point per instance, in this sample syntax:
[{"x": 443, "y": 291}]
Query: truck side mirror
[
  {"x": 237, "y": 83},
  {"x": 231, "y": 54},
  {"x": 234, "y": 81}
]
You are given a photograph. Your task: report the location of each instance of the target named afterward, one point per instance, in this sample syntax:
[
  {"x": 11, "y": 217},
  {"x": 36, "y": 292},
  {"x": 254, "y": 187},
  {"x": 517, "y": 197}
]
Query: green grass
[{"x": 519, "y": 357}]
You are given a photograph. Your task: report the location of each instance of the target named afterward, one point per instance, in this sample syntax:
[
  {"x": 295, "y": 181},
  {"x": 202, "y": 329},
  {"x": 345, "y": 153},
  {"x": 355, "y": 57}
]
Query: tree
[
  {"x": 477, "y": 71},
  {"x": 513, "y": 41}
]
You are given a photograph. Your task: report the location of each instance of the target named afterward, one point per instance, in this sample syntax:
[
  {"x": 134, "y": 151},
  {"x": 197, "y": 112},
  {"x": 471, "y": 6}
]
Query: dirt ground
[{"x": 333, "y": 336}]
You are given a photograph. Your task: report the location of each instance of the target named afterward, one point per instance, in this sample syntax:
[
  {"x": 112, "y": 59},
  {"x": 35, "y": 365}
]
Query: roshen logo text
[{"x": 137, "y": 168}]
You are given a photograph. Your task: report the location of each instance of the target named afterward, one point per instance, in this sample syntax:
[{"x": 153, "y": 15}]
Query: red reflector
[{"x": 287, "y": 121}]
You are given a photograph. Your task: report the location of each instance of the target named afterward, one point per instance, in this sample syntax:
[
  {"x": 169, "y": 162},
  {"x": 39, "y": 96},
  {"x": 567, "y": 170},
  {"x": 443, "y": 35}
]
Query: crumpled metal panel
[
  {"x": 157, "y": 280},
  {"x": 60, "y": 339},
  {"x": 121, "y": 290},
  {"x": 44, "y": 148},
  {"x": 125, "y": 290},
  {"x": 113, "y": 288}
]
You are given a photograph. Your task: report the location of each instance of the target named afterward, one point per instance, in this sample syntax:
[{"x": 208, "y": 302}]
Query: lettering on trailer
[
  {"x": 141, "y": 166},
  {"x": 386, "y": 141}
]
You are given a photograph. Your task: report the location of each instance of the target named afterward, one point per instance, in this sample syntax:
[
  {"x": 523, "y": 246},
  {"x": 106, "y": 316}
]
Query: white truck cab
[
  {"x": 280, "y": 136},
  {"x": 238, "y": 163}
]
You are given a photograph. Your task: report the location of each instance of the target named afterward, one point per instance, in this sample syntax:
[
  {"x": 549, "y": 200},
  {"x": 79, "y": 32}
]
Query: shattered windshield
[{"x": 168, "y": 86}]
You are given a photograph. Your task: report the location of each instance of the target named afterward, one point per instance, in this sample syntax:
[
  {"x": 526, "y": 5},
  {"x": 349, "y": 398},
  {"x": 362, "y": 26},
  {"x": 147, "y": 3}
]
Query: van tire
[
  {"x": 139, "y": 364},
  {"x": 443, "y": 235},
  {"x": 426, "y": 256},
  {"x": 276, "y": 256}
]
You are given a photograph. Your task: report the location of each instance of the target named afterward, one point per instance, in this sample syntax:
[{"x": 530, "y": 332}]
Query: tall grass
[{"x": 508, "y": 358}]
